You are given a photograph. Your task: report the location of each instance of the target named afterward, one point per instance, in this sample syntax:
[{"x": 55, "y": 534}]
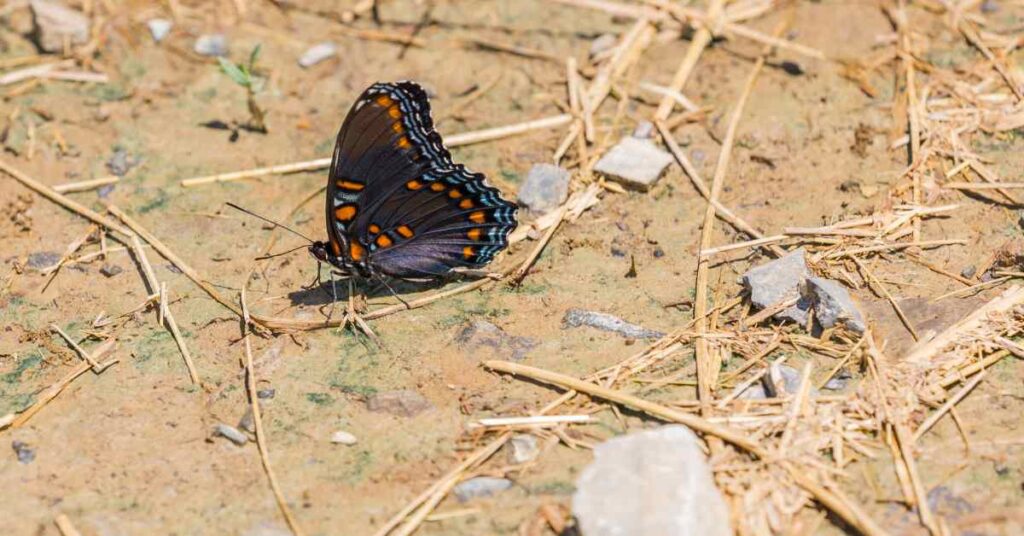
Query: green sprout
[{"x": 244, "y": 75}]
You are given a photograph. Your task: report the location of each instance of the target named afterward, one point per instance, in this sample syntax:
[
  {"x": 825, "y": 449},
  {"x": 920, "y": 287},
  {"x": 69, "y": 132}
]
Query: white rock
[
  {"x": 317, "y": 53},
  {"x": 231, "y": 434},
  {"x": 481, "y": 486},
  {"x": 654, "y": 483},
  {"x": 522, "y": 448},
  {"x": 53, "y": 23},
  {"x": 342, "y": 437},
  {"x": 211, "y": 45},
  {"x": 634, "y": 162},
  {"x": 159, "y": 28}
]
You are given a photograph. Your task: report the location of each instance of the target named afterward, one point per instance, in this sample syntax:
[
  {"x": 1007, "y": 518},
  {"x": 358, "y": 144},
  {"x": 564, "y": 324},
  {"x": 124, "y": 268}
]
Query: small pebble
[
  {"x": 25, "y": 453},
  {"x": 659, "y": 253},
  {"x": 43, "y": 259},
  {"x": 792, "y": 68},
  {"x": 55, "y": 23},
  {"x": 110, "y": 270},
  {"x": 969, "y": 271},
  {"x": 231, "y": 434},
  {"x": 248, "y": 422},
  {"x": 522, "y": 448},
  {"x": 643, "y": 130},
  {"x": 342, "y": 437},
  {"x": 318, "y": 53},
  {"x": 618, "y": 252},
  {"x": 403, "y": 403},
  {"x": 265, "y": 394},
  {"x": 481, "y": 486},
  {"x": 545, "y": 188},
  {"x": 606, "y": 322},
  {"x": 121, "y": 163},
  {"x": 634, "y": 162},
  {"x": 159, "y": 28},
  {"x": 211, "y": 45}
]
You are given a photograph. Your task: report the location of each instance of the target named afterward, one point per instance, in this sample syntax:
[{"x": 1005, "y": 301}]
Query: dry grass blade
[
  {"x": 947, "y": 407},
  {"x": 65, "y": 526}
]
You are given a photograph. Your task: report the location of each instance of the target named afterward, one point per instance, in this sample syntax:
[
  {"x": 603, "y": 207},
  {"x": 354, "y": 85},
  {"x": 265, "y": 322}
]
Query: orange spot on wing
[
  {"x": 474, "y": 234},
  {"x": 466, "y": 204},
  {"x": 374, "y": 228},
  {"x": 437, "y": 186},
  {"x": 383, "y": 241},
  {"x": 405, "y": 231},
  {"x": 394, "y": 112},
  {"x": 384, "y": 101},
  {"x": 345, "y": 212},
  {"x": 397, "y": 127},
  {"x": 454, "y": 194},
  {"x": 477, "y": 217},
  {"x": 336, "y": 248},
  {"x": 403, "y": 142},
  {"x": 414, "y": 185},
  {"x": 350, "y": 186},
  {"x": 356, "y": 251},
  {"x": 468, "y": 252}
]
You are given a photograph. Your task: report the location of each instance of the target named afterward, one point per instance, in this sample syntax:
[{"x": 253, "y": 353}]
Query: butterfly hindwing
[{"x": 397, "y": 201}]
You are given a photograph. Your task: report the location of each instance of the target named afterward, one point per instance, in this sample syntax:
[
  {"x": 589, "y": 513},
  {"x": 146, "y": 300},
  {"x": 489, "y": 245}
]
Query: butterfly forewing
[{"x": 397, "y": 202}]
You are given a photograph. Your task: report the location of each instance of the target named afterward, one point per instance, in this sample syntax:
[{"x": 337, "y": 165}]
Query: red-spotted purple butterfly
[{"x": 396, "y": 202}]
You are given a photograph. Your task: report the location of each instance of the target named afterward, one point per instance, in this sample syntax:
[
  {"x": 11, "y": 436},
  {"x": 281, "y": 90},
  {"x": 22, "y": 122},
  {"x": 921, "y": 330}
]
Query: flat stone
[
  {"x": 42, "y": 259},
  {"x": 247, "y": 422},
  {"x": 522, "y": 448},
  {"x": 53, "y": 23},
  {"x": 318, "y": 53},
  {"x": 781, "y": 380},
  {"x": 643, "y": 130},
  {"x": 231, "y": 433},
  {"x": 110, "y": 270},
  {"x": 486, "y": 340},
  {"x": 211, "y": 45},
  {"x": 635, "y": 163},
  {"x": 545, "y": 188},
  {"x": 403, "y": 403},
  {"x": 655, "y": 482},
  {"x": 342, "y": 437},
  {"x": 481, "y": 486},
  {"x": 778, "y": 281},
  {"x": 159, "y": 28},
  {"x": 266, "y": 394},
  {"x": 606, "y": 322},
  {"x": 833, "y": 305}
]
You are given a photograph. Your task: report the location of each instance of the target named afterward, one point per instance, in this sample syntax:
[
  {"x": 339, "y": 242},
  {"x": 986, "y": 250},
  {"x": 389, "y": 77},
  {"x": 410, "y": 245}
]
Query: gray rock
[
  {"x": 25, "y": 453},
  {"x": 481, "y": 486},
  {"x": 545, "y": 188},
  {"x": 655, "y": 482},
  {"x": 317, "y": 53},
  {"x": 778, "y": 281},
  {"x": 247, "y": 422},
  {"x": 634, "y": 162},
  {"x": 602, "y": 43},
  {"x": 110, "y": 270},
  {"x": 265, "y": 394},
  {"x": 522, "y": 448},
  {"x": 402, "y": 403},
  {"x": 839, "y": 381},
  {"x": 53, "y": 23},
  {"x": 969, "y": 271},
  {"x": 342, "y": 437},
  {"x": 482, "y": 335},
  {"x": 643, "y": 130},
  {"x": 833, "y": 305},
  {"x": 42, "y": 259},
  {"x": 989, "y": 6},
  {"x": 211, "y": 45},
  {"x": 159, "y": 28},
  {"x": 121, "y": 162},
  {"x": 231, "y": 433},
  {"x": 781, "y": 380},
  {"x": 606, "y": 322}
]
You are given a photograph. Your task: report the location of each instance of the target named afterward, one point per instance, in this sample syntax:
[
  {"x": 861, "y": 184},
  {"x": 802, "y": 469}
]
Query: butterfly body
[{"x": 397, "y": 204}]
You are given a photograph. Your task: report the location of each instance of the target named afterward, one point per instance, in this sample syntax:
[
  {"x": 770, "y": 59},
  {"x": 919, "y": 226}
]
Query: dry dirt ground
[{"x": 130, "y": 451}]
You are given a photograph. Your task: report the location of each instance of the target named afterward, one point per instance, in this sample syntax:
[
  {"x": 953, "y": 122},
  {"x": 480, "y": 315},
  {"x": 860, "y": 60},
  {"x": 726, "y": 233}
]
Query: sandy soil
[{"x": 130, "y": 451}]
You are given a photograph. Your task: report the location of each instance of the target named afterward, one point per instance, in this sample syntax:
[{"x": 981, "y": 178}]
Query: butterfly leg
[
  {"x": 392, "y": 291},
  {"x": 354, "y": 318}
]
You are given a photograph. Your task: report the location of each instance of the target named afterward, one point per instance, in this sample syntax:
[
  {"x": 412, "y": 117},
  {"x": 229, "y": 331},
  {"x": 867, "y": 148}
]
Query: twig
[
  {"x": 982, "y": 186},
  {"x": 517, "y": 277},
  {"x": 261, "y": 435},
  {"x": 945, "y": 408},
  {"x": 924, "y": 352},
  {"x": 78, "y": 349},
  {"x": 535, "y": 420},
  {"x": 82, "y": 186},
  {"x": 885, "y": 293},
  {"x": 743, "y": 245},
  {"x": 701, "y": 39},
  {"x": 65, "y": 526},
  {"x": 466, "y": 138}
]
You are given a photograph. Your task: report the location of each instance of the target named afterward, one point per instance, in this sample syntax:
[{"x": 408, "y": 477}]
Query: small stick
[
  {"x": 923, "y": 353},
  {"x": 65, "y": 526},
  {"x": 466, "y": 138},
  {"x": 763, "y": 314},
  {"x": 75, "y": 76},
  {"x": 886, "y": 247},
  {"x": 257, "y": 418},
  {"x": 535, "y": 420},
  {"x": 168, "y": 318},
  {"x": 55, "y": 389},
  {"x": 743, "y": 245},
  {"x": 974, "y": 288},
  {"x": 924, "y": 510},
  {"x": 520, "y": 273},
  {"x": 700, "y": 40},
  {"x": 60, "y": 199},
  {"x": 982, "y": 186},
  {"x": 892, "y": 301},
  {"x": 83, "y": 186},
  {"x": 78, "y": 349},
  {"x": 945, "y": 408},
  {"x": 32, "y": 72}
]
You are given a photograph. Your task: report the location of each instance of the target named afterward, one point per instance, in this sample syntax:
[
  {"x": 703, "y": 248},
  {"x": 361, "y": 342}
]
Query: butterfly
[{"x": 397, "y": 204}]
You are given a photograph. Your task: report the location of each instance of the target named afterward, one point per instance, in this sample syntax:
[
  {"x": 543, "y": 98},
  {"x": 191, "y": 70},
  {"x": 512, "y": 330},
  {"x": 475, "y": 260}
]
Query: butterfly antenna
[
  {"x": 272, "y": 222},
  {"x": 272, "y": 255}
]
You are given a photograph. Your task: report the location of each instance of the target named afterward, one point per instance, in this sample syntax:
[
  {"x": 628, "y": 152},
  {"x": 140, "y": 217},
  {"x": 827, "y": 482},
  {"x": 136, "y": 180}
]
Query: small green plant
[{"x": 244, "y": 75}]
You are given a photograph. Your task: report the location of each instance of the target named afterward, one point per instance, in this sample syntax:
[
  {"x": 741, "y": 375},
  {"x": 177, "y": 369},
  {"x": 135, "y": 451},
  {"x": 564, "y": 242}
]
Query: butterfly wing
[{"x": 398, "y": 201}]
